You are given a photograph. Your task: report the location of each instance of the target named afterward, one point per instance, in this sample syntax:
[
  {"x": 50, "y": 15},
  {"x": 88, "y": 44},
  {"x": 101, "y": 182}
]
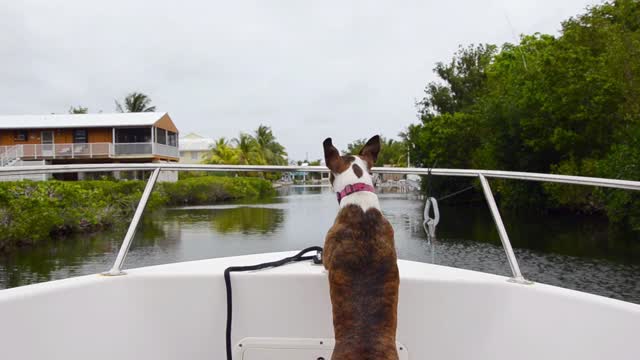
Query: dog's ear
[
  {"x": 370, "y": 150},
  {"x": 332, "y": 156}
]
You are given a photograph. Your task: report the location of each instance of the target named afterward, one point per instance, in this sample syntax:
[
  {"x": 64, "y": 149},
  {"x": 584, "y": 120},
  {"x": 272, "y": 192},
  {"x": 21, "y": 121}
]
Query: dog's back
[
  {"x": 360, "y": 256},
  {"x": 359, "y": 253}
]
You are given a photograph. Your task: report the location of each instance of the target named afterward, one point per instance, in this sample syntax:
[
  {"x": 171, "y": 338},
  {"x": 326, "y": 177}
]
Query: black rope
[
  {"x": 456, "y": 193},
  {"x": 227, "y": 280},
  {"x": 430, "y": 185}
]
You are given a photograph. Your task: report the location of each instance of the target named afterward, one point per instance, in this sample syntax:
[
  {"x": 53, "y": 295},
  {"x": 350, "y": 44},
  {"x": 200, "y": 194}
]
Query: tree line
[
  {"x": 261, "y": 148},
  {"x": 392, "y": 152},
  {"x": 566, "y": 104}
]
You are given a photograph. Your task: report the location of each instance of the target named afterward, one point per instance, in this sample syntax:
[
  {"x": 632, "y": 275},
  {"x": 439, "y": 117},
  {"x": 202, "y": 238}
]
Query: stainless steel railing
[{"x": 116, "y": 269}]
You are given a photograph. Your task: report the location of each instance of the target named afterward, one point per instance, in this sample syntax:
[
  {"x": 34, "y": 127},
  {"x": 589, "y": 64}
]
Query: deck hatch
[{"x": 255, "y": 348}]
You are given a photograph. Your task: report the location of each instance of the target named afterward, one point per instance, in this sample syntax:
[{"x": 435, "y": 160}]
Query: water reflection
[
  {"x": 53, "y": 259},
  {"x": 573, "y": 252},
  {"x": 71, "y": 256},
  {"x": 245, "y": 220}
]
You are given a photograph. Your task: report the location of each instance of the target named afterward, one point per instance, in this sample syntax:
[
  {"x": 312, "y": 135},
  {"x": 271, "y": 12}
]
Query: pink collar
[{"x": 354, "y": 188}]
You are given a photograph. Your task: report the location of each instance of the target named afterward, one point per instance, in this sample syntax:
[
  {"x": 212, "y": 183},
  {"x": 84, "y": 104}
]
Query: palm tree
[
  {"x": 272, "y": 152},
  {"x": 135, "y": 102},
  {"x": 222, "y": 153},
  {"x": 78, "y": 110},
  {"x": 248, "y": 150}
]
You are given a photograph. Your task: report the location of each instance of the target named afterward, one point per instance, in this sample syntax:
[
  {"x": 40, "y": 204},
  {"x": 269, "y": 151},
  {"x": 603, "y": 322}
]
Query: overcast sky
[{"x": 309, "y": 69}]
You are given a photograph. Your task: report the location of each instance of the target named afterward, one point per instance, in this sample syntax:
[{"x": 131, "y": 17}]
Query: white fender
[{"x": 429, "y": 223}]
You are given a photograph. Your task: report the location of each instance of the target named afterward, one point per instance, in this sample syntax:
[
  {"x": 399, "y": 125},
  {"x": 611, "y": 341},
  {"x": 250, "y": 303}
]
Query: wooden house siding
[
  {"x": 100, "y": 135},
  {"x": 165, "y": 123},
  {"x": 60, "y": 136}
]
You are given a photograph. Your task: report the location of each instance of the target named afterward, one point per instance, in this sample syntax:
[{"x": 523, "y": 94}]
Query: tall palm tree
[
  {"x": 271, "y": 150},
  {"x": 135, "y": 102},
  {"x": 248, "y": 150},
  {"x": 222, "y": 153}
]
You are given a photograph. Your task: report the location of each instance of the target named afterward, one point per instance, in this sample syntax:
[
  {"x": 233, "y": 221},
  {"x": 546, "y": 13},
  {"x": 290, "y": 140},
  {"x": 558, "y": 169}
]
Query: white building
[{"x": 193, "y": 148}]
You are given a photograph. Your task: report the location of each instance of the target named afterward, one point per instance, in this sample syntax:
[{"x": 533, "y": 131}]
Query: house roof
[
  {"x": 57, "y": 121},
  {"x": 195, "y": 142},
  {"x": 192, "y": 136}
]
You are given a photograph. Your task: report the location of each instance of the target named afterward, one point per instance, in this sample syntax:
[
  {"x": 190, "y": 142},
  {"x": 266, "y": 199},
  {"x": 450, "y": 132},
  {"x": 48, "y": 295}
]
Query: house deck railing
[
  {"x": 8, "y": 155},
  {"x": 83, "y": 151}
]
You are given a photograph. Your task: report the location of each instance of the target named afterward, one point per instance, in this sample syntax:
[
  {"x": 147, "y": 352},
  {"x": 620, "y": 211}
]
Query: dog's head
[{"x": 351, "y": 169}]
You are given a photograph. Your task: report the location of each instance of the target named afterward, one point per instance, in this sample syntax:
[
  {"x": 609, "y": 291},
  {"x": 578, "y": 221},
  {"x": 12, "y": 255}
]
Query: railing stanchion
[
  {"x": 133, "y": 226},
  {"x": 506, "y": 244}
]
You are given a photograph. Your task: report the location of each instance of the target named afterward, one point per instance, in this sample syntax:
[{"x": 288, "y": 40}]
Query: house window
[
  {"x": 21, "y": 135},
  {"x": 173, "y": 139},
  {"x": 79, "y": 136},
  {"x": 133, "y": 135},
  {"x": 194, "y": 155},
  {"x": 161, "y": 136}
]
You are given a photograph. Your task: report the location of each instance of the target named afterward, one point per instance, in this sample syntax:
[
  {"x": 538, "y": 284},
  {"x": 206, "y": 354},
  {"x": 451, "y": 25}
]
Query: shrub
[
  {"x": 213, "y": 189},
  {"x": 35, "y": 211}
]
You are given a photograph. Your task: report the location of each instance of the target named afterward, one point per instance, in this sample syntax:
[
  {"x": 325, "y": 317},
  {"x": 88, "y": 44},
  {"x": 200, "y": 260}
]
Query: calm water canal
[{"x": 573, "y": 252}]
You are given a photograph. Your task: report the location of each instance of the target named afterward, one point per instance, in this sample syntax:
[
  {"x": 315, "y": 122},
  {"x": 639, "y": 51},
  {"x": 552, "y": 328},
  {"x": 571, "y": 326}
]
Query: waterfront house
[
  {"x": 194, "y": 148},
  {"x": 88, "y": 138}
]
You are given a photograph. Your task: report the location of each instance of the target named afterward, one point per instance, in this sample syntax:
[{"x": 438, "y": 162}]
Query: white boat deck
[{"x": 178, "y": 311}]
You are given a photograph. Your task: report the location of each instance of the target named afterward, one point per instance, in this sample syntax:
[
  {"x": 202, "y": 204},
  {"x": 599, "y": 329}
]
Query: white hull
[{"x": 178, "y": 311}]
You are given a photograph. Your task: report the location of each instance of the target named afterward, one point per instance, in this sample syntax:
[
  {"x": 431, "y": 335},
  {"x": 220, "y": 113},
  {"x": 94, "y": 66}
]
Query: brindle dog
[{"x": 360, "y": 256}]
